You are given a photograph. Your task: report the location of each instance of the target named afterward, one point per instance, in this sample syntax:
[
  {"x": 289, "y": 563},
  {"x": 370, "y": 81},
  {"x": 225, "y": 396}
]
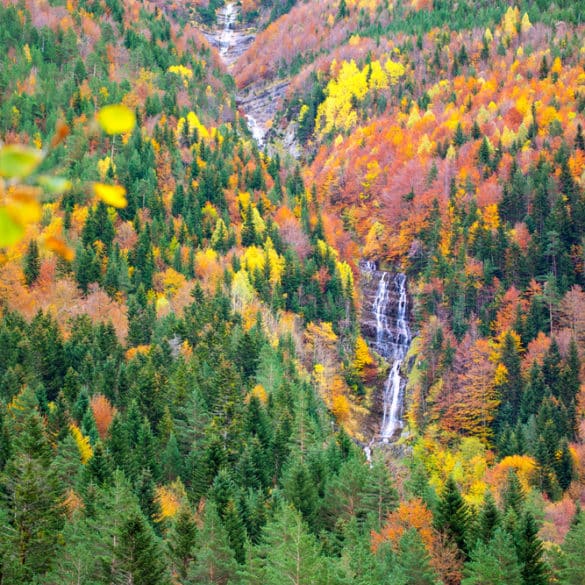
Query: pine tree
[
  {"x": 32, "y": 263},
  {"x": 79, "y": 557},
  {"x": 215, "y": 562},
  {"x": 530, "y": 552},
  {"x": 182, "y": 541},
  {"x": 287, "y": 553},
  {"x": 342, "y": 10},
  {"x": 453, "y": 515},
  {"x": 564, "y": 466},
  {"x": 172, "y": 462},
  {"x": 414, "y": 561},
  {"x": 137, "y": 555},
  {"x": 494, "y": 563},
  {"x": 489, "y": 518},
  {"x": 513, "y": 497},
  {"x": 300, "y": 490},
  {"x": 381, "y": 496},
  {"x": 235, "y": 530},
  {"x": 579, "y": 139},
  {"x": 249, "y": 234},
  {"x": 570, "y": 559},
  {"x": 35, "y": 498},
  {"x": 5, "y": 443}
]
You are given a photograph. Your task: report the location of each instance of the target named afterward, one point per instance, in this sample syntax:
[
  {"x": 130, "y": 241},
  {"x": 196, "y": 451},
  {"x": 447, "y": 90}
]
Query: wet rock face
[
  {"x": 369, "y": 286},
  {"x": 259, "y": 103},
  {"x": 231, "y": 39},
  {"x": 384, "y": 325}
]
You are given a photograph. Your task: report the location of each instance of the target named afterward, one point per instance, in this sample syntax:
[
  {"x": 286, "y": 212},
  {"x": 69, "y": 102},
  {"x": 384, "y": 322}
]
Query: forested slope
[{"x": 183, "y": 382}]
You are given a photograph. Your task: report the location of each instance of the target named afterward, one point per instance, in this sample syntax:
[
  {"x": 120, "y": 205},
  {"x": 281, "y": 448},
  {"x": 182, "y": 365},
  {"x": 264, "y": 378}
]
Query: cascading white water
[
  {"x": 392, "y": 342},
  {"x": 227, "y": 42},
  {"x": 228, "y": 16}
]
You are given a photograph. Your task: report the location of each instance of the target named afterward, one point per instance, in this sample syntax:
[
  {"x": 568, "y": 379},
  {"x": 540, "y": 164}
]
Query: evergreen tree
[
  {"x": 414, "y": 561},
  {"x": 570, "y": 559},
  {"x": 300, "y": 490},
  {"x": 249, "y": 234},
  {"x": 215, "y": 562},
  {"x": 32, "y": 263},
  {"x": 530, "y": 552},
  {"x": 513, "y": 497},
  {"x": 453, "y": 516},
  {"x": 137, "y": 554},
  {"x": 489, "y": 518},
  {"x": 172, "y": 462},
  {"x": 494, "y": 563},
  {"x": 182, "y": 542},
  {"x": 342, "y": 10},
  {"x": 287, "y": 553}
]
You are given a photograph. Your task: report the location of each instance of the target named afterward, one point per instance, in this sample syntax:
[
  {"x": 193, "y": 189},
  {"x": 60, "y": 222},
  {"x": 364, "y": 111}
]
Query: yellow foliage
[
  {"x": 116, "y": 119},
  {"x": 303, "y": 112},
  {"x": 242, "y": 291},
  {"x": 326, "y": 250},
  {"x": 511, "y": 18},
  {"x": 508, "y": 137},
  {"x": 253, "y": 259},
  {"x": 346, "y": 276},
  {"x": 182, "y": 71},
  {"x": 490, "y": 217},
  {"x": 413, "y": 117},
  {"x": 425, "y": 146},
  {"x": 337, "y": 111},
  {"x": 340, "y": 408},
  {"x": 193, "y": 122},
  {"x": 395, "y": 71},
  {"x": 104, "y": 165},
  {"x": 169, "y": 500},
  {"x": 114, "y": 195},
  {"x": 363, "y": 357},
  {"x": 260, "y": 393},
  {"x": 172, "y": 281},
  {"x": 557, "y": 66},
  {"x": 375, "y": 241},
  {"x": 378, "y": 78},
  {"x": 525, "y": 25},
  {"x": 82, "y": 442},
  {"x": 524, "y": 466}
]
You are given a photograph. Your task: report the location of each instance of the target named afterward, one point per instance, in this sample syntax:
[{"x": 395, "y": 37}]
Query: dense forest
[{"x": 186, "y": 387}]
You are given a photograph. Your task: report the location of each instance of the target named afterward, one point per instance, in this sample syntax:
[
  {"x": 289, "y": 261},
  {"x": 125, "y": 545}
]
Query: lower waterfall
[{"x": 389, "y": 310}]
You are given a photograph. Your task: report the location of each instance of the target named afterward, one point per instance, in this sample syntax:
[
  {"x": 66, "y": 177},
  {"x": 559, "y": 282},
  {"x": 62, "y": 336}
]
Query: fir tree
[
  {"x": 182, "y": 541},
  {"x": 215, "y": 562},
  {"x": 569, "y": 561},
  {"x": 453, "y": 515},
  {"x": 32, "y": 263},
  {"x": 137, "y": 555},
  {"x": 530, "y": 552},
  {"x": 494, "y": 563}
]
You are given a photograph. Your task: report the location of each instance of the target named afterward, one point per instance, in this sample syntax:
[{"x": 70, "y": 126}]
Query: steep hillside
[{"x": 292, "y": 291}]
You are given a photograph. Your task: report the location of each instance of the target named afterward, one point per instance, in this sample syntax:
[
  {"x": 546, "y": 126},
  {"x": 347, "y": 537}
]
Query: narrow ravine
[
  {"x": 259, "y": 102},
  {"x": 232, "y": 41},
  {"x": 389, "y": 333}
]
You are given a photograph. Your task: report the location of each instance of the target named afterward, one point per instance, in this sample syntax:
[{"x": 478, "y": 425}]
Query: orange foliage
[
  {"x": 411, "y": 514},
  {"x": 103, "y": 413}
]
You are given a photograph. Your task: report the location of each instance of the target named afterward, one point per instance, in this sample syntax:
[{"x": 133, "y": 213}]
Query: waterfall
[
  {"x": 392, "y": 340},
  {"x": 228, "y": 16},
  {"x": 231, "y": 43}
]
